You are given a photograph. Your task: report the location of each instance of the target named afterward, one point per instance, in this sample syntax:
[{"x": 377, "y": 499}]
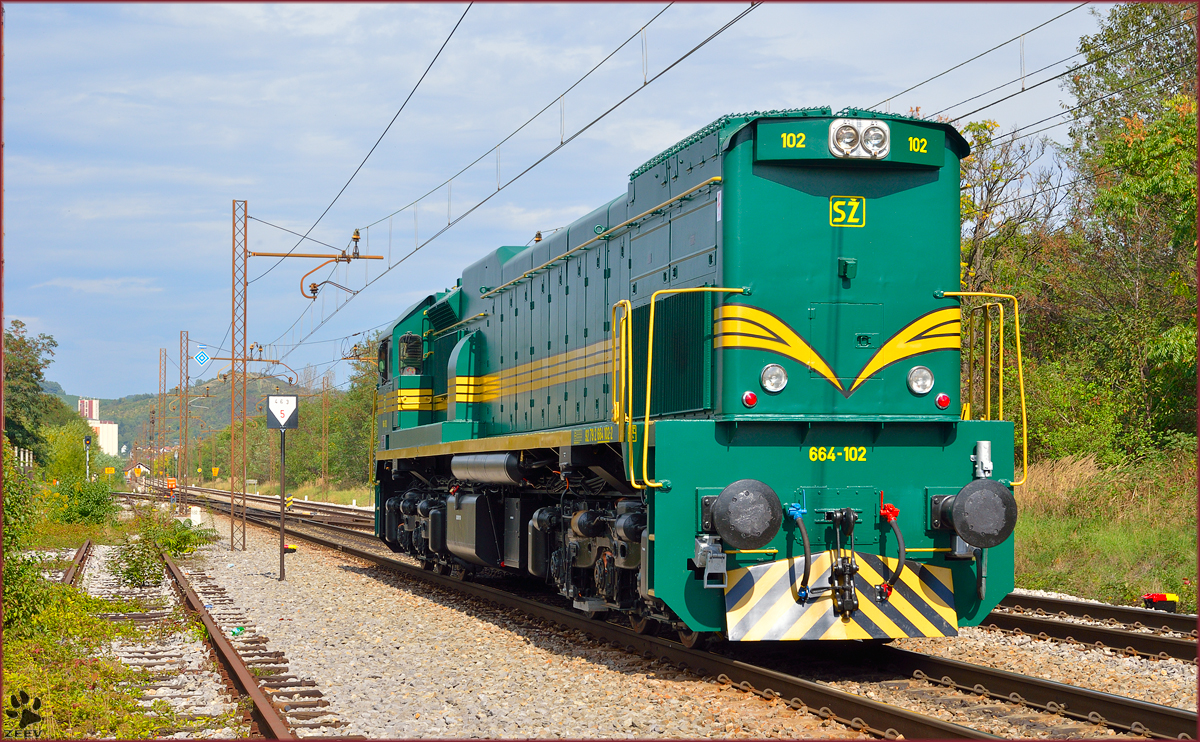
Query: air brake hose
[
  {"x": 890, "y": 513},
  {"x": 797, "y": 511},
  {"x": 807, "y": 555}
]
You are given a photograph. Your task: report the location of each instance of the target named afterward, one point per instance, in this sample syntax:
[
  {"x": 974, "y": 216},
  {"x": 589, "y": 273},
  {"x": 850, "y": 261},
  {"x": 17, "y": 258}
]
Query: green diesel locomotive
[{"x": 728, "y": 401}]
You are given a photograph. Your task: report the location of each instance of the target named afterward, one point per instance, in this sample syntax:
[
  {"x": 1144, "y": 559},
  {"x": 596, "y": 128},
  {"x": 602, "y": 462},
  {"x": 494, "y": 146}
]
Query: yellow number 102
[
  {"x": 917, "y": 144},
  {"x": 792, "y": 141}
]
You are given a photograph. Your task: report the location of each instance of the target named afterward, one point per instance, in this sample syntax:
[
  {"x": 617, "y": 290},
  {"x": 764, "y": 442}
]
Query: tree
[
  {"x": 1008, "y": 203},
  {"x": 1154, "y": 42},
  {"x": 1150, "y": 167},
  {"x": 25, "y": 405}
]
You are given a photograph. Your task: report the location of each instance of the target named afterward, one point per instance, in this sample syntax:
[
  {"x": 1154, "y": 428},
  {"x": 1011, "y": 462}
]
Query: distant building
[
  {"x": 106, "y": 436},
  {"x": 90, "y": 409}
]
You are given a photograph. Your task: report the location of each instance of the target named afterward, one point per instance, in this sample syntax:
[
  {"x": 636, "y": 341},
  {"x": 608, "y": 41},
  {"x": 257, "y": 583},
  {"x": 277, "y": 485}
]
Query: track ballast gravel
[{"x": 397, "y": 657}]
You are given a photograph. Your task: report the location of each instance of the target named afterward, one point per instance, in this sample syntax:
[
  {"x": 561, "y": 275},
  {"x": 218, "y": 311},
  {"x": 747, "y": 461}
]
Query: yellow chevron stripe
[
  {"x": 938, "y": 330},
  {"x": 741, "y": 326}
]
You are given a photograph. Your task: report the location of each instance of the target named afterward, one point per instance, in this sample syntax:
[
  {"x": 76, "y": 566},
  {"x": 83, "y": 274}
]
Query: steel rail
[
  {"x": 332, "y": 509},
  {"x": 1120, "y": 712},
  {"x": 270, "y": 724},
  {"x": 858, "y": 712},
  {"x": 76, "y": 569},
  {"x": 351, "y": 514},
  {"x": 1147, "y": 645},
  {"x": 224, "y": 508},
  {"x": 1184, "y": 623}
]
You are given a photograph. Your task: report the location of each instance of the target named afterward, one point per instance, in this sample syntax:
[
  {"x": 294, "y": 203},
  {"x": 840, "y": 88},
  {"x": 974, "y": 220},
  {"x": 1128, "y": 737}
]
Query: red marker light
[
  {"x": 749, "y": 399},
  {"x": 942, "y": 401}
]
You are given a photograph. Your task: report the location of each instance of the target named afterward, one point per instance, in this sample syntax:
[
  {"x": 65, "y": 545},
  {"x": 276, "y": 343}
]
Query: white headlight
[
  {"x": 846, "y": 137},
  {"x": 874, "y": 140},
  {"x": 920, "y": 380},
  {"x": 774, "y": 378}
]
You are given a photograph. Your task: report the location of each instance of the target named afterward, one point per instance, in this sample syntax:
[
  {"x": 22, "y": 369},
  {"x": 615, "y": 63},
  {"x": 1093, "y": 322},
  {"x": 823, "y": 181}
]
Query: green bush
[
  {"x": 25, "y": 593},
  {"x": 1070, "y": 414},
  {"x": 138, "y": 561},
  {"x": 86, "y": 502}
]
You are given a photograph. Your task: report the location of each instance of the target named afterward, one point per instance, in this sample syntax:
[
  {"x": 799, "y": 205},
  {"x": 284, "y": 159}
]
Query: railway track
[
  {"x": 282, "y": 702},
  {"x": 333, "y": 514},
  {"x": 1134, "y": 631},
  {"x": 192, "y": 677},
  {"x": 996, "y": 691}
]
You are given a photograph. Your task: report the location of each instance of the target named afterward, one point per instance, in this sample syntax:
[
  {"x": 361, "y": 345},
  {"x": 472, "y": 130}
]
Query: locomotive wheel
[
  {"x": 464, "y": 574},
  {"x": 644, "y": 625},
  {"x": 426, "y": 564},
  {"x": 693, "y": 639},
  {"x": 442, "y": 569},
  {"x": 596, "y": 615}
]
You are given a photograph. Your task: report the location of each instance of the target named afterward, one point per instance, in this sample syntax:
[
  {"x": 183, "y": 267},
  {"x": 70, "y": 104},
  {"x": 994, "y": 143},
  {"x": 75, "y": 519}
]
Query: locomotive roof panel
[{"x": 727, "y": 126}]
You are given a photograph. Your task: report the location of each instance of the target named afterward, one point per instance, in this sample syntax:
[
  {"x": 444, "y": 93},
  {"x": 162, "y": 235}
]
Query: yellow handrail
[
  {"x": 650, "y": 367},
  {"x": 617, "y": 347},
  {"x": 987, "y": 363},
  {"x": 603, "y": 235},
  {"x": 1020, "y": 372},
  {"x": 623, "y": 380}
]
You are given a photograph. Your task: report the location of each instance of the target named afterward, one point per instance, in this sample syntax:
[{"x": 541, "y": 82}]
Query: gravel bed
[
  {"x": 396, "y": 657},
  {"x": 1167, "y": 682}
]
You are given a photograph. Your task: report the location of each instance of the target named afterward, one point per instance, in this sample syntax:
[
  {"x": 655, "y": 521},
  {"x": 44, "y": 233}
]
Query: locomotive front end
[{"x": 839, "y": 491}]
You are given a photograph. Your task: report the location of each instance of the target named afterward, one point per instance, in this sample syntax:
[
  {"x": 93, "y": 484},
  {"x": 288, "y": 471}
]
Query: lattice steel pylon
[
  {"x": 237, "y": 383},
  {"x": 325, "y": 434},
  {"x": 160, "y": 412},
  {"x": 185, "y": 383}
]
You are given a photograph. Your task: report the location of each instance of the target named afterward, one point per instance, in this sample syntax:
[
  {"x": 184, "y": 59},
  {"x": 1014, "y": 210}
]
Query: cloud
[{"x": 124, "y": 287}]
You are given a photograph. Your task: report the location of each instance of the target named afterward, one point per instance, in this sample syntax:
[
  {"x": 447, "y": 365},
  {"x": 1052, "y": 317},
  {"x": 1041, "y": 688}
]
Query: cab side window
[{"x": 384, "y": 373}]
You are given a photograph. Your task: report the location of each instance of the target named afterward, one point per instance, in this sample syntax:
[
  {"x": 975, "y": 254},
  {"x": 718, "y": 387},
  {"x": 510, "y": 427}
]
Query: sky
[{"x": 129, "y": 130}]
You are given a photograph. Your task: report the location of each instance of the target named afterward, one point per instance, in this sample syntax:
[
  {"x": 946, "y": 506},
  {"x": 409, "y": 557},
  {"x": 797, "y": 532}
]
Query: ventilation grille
[
  {"x": 682, "y": 355},
  {"x": 445, "y": 312}
]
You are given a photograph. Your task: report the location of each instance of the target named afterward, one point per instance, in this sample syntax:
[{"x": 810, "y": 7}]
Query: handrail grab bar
[
  {"x": 650, "y": 367},
  {"x": 1020, "y": 370}
]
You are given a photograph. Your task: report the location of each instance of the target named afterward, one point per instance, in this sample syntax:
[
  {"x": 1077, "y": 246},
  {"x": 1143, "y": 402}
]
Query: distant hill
[{"x": 132, "y": 411}]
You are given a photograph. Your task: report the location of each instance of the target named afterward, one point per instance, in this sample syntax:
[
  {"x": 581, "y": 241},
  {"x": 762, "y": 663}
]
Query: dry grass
[
  {"x": 1110, "y": 533},
  {"x": 1151, "y": 490},
  {"x": 1051, "y": 484}
]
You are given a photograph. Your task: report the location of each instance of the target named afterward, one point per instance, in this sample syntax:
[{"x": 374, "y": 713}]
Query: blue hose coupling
[
  {"x": 802, "y": 595},
  {"x": 796, "y": 510}
]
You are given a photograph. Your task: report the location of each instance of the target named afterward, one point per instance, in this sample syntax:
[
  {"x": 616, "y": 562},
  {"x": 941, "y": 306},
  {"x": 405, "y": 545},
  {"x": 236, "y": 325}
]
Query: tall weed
[
  {"x": 24, "y": 589},
  {"x": 85, "y": 502},
  {"x": 138, "y": 560}
]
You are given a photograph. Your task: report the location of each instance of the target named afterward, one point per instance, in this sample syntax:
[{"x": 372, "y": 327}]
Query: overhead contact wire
[
  {"x": 977, "y": 56},
  {"x": 531, "y": 119},
  {"x": 377, "y": 141},
  {"x": 542, "y": 159}
]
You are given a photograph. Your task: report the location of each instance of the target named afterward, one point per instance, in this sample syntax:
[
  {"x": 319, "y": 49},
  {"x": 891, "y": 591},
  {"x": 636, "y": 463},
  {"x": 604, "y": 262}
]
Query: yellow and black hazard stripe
[{"x": 762, "y": 602}]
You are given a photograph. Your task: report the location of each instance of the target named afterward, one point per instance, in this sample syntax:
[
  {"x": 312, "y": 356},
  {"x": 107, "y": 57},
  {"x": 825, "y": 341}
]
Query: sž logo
[{"x": 847, "y": 211}]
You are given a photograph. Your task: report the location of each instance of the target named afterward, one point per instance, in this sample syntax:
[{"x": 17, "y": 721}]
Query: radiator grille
[{"x": 682, "y": 355}]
